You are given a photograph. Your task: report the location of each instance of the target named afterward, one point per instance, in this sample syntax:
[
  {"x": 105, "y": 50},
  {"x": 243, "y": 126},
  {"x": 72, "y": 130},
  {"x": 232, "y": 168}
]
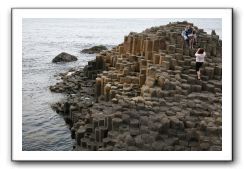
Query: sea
[{"x": 44, "y": 38}]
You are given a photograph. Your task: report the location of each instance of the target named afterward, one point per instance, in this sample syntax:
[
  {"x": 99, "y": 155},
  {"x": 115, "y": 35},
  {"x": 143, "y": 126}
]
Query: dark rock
[
  {"x": 126, "y": 118},
  {"x": 195, "y": 148},
  {"x": 158, "y": 145},
  {"x": 134, "y": 132},
  {"x": 116, "y": 122},
  {"x": 171, "y": 141},
  {"x": 204, "y": 146},
  {"x": 189, "y": 124},
  {"x": 132, "y": 148},
  {"x": 191, "y": 135},
  {"x": 138, "y": 141},
  {"x": 80, "y": 134},
  {"x": 215, "y": 148},
  {"x": 154, "y": 126},
  {"x": 193, "y": 144},
  {"x": 144, "y": 120},
  {"x": 176, "y": 124},
  {"x": 94, "y": 49},
  {"x": 183, "y": 143},
  {"x": 66, "y": 108},
  {"x": 170, "y": 113},
  {"x": 130, "y": 140},
  {"x": 134, "y": 123},
  {"x": 168, "y": 148},
  {"x": 165, "y": 125},
  {"x": 203, "y": 125},
  {"x": 212, "y": 131},
  {"x": 200, "y": 113},
  {"x": 144, "y": 130},
  {"x": 147, "y": 138},
  {"x": 179, "y": 148},
  {"x": 64, "y": 57}
]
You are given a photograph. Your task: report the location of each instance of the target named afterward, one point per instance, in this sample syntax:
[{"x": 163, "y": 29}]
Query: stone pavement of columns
[{"x": 144, "y": 95}]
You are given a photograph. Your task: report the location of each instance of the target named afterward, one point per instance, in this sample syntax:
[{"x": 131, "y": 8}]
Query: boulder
[
  {"x": 94, "y": 49},
  {"x": 64, "y": 57}
]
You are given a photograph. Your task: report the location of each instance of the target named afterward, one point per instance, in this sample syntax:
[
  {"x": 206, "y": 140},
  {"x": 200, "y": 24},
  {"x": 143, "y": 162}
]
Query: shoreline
[{"x": 143, "y": 95}]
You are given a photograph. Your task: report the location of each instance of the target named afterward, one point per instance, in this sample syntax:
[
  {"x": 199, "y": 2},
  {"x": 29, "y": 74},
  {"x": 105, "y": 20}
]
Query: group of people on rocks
[{"x": 190, "y": 38}]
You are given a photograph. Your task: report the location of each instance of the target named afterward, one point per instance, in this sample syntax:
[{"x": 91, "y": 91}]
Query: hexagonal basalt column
[
  {"x": 170, "y": 49},
  {"x": 166, "y": 65},
  {"x": 95, "y": 123},
  {"x": 107, "y": 91},
  {"x": 108, "y": 122},
  {"x": 98, "y": 86},
  {"x": 84, "y": 142},
  {"x": 134, "y": 123},
  {"x": 116, "y": 122},
  {"x": 156, "y": 58},
  {"x": 209, "y": 72},
  {"x": 148, "y": 45},
  {"x": 80, "y": 134},
  {"x": 148, "y": 55},
  {"x": 142, "y": 79},
  {"x": 162, "y": 58}
]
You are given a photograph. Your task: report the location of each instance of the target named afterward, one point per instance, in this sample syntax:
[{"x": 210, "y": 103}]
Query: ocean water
[{"x": 43, "y": 39}]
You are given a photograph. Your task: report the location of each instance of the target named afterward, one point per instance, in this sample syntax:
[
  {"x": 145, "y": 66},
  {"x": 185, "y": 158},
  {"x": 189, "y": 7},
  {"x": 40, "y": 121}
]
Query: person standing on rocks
[
  {"x": 194, "y": 32},
  {"x": 200, "y": 55},
  {"x": 184, "y": 35},
  {"x": 190, "y": 36}
]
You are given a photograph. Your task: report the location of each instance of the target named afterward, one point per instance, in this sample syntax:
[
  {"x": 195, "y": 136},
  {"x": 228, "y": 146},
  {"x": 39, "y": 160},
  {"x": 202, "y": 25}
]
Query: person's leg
[
  {"x": 198, "y": 75},
  {"x": 191, "y": 43},
  {"x": 195, "y": 40},
  {"x": 198, "y": 70},
  {"x": 187, "y": 43}
]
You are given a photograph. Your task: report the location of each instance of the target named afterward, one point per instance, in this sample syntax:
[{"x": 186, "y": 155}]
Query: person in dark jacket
[
  {"x": 187, "y": 34},
  {"x": 185, "y": 37}
]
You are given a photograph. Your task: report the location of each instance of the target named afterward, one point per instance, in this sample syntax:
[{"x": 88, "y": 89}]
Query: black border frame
[{"x": 128, "y": 161}]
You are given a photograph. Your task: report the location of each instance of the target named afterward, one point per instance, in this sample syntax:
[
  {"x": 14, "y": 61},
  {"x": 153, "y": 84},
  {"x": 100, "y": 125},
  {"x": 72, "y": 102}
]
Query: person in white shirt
[{"x": 200, "y": 55}]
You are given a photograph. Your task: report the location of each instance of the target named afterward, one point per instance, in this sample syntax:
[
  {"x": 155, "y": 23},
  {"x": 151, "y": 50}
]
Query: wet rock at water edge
[
  {"x": 64, "y": 57},
  {"x": 94, "y": 49}
]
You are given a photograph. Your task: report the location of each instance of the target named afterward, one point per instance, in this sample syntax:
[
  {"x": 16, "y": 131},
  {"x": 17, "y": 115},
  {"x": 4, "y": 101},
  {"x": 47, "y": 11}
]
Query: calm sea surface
[{"x": 43, "y": 39}]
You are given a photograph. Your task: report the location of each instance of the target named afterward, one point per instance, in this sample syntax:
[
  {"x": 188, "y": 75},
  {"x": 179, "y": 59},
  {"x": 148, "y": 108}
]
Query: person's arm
[
  {"x": 198, "y": 50},
  {"x": 204, "y": 54}
]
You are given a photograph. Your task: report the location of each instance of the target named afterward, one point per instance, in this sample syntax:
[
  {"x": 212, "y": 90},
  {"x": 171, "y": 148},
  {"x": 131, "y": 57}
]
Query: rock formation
[
  {"x": 94, "y": 49},
  {"x": 64, "y": 57},
  {"x": 144, "y": 95}
]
